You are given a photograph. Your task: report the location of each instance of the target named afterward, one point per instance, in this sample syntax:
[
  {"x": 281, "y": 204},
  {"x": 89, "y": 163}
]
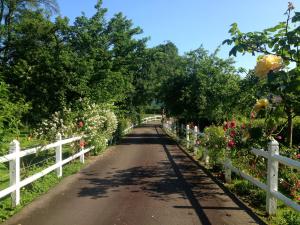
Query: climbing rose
[
  {"x": 80, "y": 124},
  {"x": 232, "y": 133},
  {"x": 267, "y": 63},
  {"x": 232, "y": 124},
  {"x": 81, "y": 143},
  {"x": 261, "y": 103},
  {"x": 231, "y": 144},
  {"x": 226, "y": 126}
]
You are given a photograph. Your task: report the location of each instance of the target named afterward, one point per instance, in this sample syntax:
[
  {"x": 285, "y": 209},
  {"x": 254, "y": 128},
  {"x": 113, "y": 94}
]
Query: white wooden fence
[
  {"x": 15, "y": 155},
  {"x": 273, "y": 157}
]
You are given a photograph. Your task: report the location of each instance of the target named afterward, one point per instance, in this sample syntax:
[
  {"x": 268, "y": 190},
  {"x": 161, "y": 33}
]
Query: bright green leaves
[
  {"x": 282, "y": 40},
  {"x": 205, "y": 88}
]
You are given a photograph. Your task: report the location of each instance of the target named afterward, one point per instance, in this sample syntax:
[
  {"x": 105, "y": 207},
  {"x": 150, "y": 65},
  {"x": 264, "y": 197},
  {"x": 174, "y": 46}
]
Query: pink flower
[
  {"x": 232, "y": 133},
  {"x": 82, "y": 143},
  {"x": 231, "y": 143},
  {"x": 279, "y": 137},
  {"x": 232, "y": 124},
  {"x": 226, "y": 126},
  {"x": 298, "y": 156},
  {"x": 80, "y": 124}
]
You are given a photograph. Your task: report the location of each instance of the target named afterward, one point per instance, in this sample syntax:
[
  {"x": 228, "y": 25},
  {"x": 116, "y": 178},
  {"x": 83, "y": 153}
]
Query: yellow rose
[
  {"x": 267, "y": 63},
  {"x": 261, "y": 103}
]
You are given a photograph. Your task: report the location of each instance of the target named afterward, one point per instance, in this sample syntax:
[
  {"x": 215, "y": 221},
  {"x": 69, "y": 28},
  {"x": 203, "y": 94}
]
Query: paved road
[{"x": 146, "y": 180}]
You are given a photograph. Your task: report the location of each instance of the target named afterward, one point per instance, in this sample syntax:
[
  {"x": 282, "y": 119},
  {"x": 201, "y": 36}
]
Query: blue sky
[{"x": 190, "y": 23}]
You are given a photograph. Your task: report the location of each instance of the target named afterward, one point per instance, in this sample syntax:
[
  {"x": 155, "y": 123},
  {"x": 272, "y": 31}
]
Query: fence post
[
  {"x": 181, "y": 130},
  {"x": 272, "y": 179},
  {"x": 82, "y": 143},
  {"x": 187, "y": 136},
  {"x": 195, "y": 138},
  {"x": 173, "y": 128},
  {"x": 228, "y": 170},
  {"x": 58, "y": 155},
  {"x": 14, "y": 171},
  {"x": 206, "y": 156}
]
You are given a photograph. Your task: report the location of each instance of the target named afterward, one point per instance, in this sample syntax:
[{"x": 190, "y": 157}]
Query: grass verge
[{"x": 36, "y": 189}]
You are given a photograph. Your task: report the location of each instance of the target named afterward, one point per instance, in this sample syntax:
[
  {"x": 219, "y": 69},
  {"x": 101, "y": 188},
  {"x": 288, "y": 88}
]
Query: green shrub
[
  {"x": 214, "y": 141},
  {"x": 10, "y": 119},
  {"x": 286, "y": 217}
]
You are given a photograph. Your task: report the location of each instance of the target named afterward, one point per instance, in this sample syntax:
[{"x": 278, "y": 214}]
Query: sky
[{"x": 190, "y": 23}]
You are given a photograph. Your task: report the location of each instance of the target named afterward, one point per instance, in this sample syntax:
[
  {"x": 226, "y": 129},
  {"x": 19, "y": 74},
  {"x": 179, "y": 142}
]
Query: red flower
[
  {"x": 232, "y": 133},
  {"x": 231, "y": 143},
  {"x": 81, "y": 143},
  {"x": 80, "y": 124},
  {"x": 226, "y": 126},
  {"x": 298, "y": 184},
  {"x": 232, "y": 124}
]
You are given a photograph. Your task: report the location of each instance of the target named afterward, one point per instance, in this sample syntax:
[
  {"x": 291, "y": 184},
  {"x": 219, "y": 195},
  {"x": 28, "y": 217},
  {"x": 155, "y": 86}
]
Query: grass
[
  {"x": 256, "y": 199},
  {"x": 4, "y": 177},
  {"x": 30, "y": 165},
  {"x": 36, "y": 189}
]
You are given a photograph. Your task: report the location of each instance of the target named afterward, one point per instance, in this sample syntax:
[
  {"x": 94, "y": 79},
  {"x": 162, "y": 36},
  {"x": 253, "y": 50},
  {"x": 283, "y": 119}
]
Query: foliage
[
  {"x": 10, "y": 119},
  {"x": 205, "y": 87},
  {"x": 286, "y": 217},
  {"x": 214, "y": 141},
  {"x": 60, "y": 122},
  {"x": 99, "y": 124},
  {"x": 278, "y": 43}
]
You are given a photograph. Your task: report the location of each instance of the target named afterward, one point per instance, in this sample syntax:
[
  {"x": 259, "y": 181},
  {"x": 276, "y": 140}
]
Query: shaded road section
[{"x": 145, "y": 180}]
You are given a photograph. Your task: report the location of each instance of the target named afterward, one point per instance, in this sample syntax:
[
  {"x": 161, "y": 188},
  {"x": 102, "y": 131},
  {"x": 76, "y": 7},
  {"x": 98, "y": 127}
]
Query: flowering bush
[
  {"x": 97, "y": 122},
  {"x": 59, "y": 122},
  {"x": 268, "y": 63}
]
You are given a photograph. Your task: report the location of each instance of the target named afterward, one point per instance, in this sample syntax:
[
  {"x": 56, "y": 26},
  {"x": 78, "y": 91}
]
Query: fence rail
[
  {"x": 15, "y": 155},
  {"x": 273, "y": 157}
]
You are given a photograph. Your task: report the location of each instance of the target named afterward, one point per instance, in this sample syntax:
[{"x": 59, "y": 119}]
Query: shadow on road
[{"x": 163, "y": 180}]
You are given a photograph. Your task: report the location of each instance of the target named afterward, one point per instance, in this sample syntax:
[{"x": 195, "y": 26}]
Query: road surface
[{"x": 145, "y": 180}]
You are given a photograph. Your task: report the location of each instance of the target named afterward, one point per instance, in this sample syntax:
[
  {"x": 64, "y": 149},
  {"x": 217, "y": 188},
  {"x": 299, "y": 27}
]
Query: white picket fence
[
  {"x": 273, "y": 157},
  {"x": 15, "y": 155}
]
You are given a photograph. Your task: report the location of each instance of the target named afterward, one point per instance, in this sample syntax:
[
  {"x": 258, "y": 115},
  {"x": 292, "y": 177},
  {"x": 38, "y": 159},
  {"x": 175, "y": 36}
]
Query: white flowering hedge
[{"x": 97, "y": 122}]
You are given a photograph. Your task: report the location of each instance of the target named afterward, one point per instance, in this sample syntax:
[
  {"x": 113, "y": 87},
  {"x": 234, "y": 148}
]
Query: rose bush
[{"x": 96, "y": 122}]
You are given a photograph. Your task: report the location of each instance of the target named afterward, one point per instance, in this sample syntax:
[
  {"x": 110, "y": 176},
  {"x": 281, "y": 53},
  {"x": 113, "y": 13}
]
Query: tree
[
  {"x": 205, "y": 88},
  {"x": 10, "y": 12}
]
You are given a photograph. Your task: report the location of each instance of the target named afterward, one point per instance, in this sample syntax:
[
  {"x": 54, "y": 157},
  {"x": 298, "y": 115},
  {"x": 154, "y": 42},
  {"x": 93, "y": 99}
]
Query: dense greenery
[
  {"x": 49, "y": 65},
  {"x": 97, "y": 76}
]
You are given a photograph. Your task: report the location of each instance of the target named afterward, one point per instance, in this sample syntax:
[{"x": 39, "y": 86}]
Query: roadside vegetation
[{"x": 97, "y": 76}]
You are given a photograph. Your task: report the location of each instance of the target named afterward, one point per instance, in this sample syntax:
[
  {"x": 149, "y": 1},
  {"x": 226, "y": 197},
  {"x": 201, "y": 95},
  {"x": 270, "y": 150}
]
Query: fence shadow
[{"x": 163, "y": 180}]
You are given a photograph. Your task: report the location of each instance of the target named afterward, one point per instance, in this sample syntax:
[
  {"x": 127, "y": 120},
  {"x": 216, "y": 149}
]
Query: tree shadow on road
[{"x": 177, "y": 177}]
